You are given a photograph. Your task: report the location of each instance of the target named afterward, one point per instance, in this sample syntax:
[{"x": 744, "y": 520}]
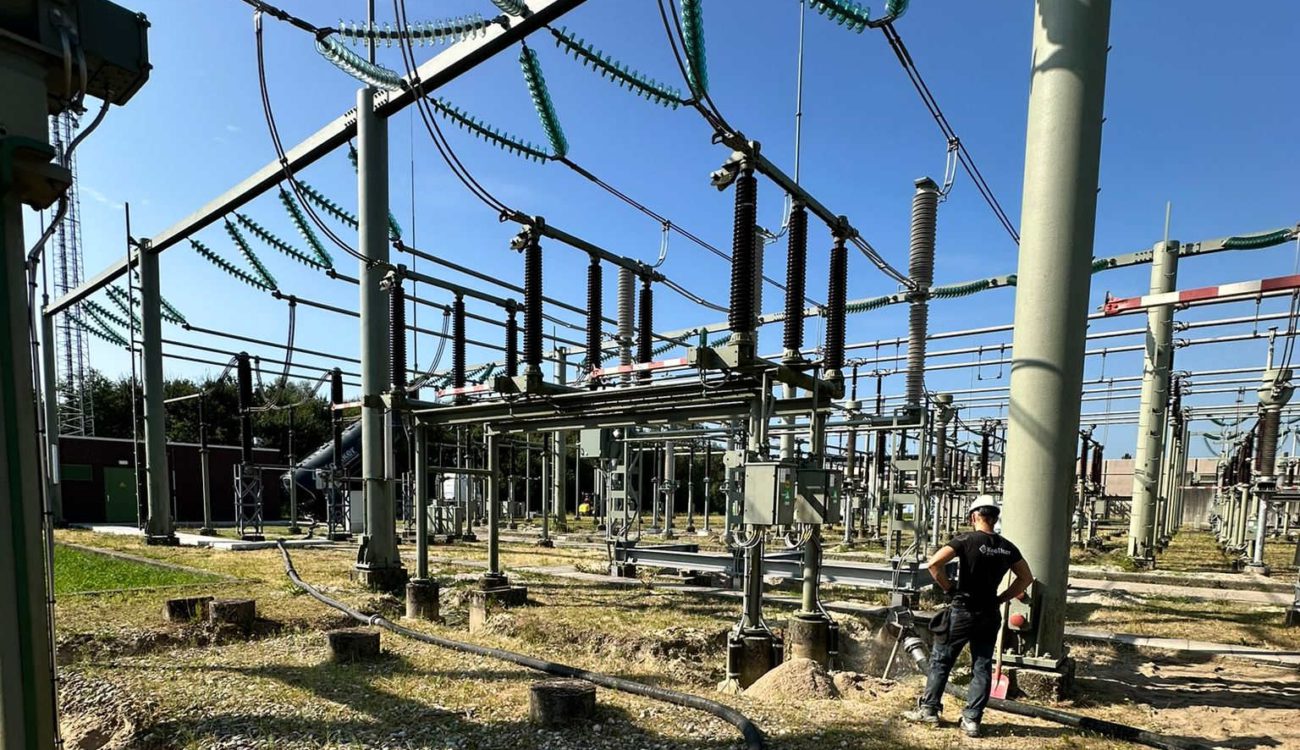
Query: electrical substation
[{"x": 524, "y": 517}]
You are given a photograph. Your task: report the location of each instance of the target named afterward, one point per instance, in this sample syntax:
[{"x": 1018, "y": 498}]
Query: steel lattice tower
[{"x": 76, "y": 415}]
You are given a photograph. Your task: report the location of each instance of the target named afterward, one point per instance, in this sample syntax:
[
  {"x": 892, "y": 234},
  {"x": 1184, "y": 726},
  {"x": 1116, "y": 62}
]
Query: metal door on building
[{"x": 121, "y": 502}]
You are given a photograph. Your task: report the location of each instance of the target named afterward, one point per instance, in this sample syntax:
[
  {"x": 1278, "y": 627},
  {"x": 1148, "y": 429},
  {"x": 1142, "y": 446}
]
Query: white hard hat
[{"x": 982, "y": 501}]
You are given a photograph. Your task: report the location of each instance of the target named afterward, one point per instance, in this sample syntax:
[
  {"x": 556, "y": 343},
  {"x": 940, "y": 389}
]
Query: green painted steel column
[
  {"x": 158, "y": 526},
  {"x": 421, "y": 489},
  {"x": 380, "y": 567},
  {"x": 27, "y": 709},
  {"x": 1058, "y": 215},
  {"x": 50, "y": 380},
  {"x": 1152, "y": 422}
]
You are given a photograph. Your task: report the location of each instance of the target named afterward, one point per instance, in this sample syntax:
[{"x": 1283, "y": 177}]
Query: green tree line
[{"x": 110, "y": 402}]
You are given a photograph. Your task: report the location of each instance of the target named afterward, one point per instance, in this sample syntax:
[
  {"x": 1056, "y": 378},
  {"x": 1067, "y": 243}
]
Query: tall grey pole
[
  {"x": 494, "y": 577},
  {"x": 204, "y": 474},
  {"x": 421, "y": 490},
  {"x": 1058, "y": 216},
  {"x": 53, "y": 485},
  {"x": 546, "y": 488},
  {"x": 559, "y": 441},
  {"x": 1156, "y": 365},
  {"x": 380, "y": 567},
  {"x": 669, "y": 486},
  {"x": 158, "y": 527},
  {"x": 27, "y": 705}
]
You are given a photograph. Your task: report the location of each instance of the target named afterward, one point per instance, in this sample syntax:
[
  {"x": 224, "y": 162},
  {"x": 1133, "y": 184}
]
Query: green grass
[{"x": 76, "y": 570}]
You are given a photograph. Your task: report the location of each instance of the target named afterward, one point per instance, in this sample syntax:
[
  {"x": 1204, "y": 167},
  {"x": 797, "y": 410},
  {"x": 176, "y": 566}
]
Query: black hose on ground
[
  {"x": 752, "y": 734},
  {"x": 1086, "y": 723}
]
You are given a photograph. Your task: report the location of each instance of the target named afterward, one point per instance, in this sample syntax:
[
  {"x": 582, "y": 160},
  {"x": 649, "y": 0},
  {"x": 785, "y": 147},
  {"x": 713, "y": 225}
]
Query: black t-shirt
[{"x": 984, "y": 560}]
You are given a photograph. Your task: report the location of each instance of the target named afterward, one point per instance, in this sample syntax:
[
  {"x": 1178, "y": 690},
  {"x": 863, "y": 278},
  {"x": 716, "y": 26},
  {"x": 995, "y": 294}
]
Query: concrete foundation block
[
  {"x": 162, "y": 540},
  {"x": 623, "y": 570},
  {"x": 561, "y": 702},
  {"x": 1292, "y": 618},
  {"x": 187, "y": 609},
  {"x": 383, "y": 580},
  {"x": 483, "y": 603},
  {"x": 348, "y": 645},
  {"x": 1041, "y": 685},
  {"x": 750, "y": 656},
  {"x": 422, "y": 600},
  {"x": 236, "y": 614},
  {"x": 808, "y": 636}
]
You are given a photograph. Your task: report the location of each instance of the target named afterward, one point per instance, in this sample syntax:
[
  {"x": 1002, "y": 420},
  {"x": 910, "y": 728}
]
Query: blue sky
[{"x": 1200, "y": 111}]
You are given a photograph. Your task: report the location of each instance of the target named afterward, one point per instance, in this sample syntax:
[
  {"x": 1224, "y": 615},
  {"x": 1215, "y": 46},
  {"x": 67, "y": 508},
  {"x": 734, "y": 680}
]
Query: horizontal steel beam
[
  {"x": 435, "y": 73},
  {"x": 788, "y": 565}
]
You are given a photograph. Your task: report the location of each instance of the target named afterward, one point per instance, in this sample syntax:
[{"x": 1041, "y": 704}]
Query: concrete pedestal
[
  {"x": 187, "y": 609},
  {"x": 422, "y": 599},
  {"x": 386, "y": 580},
  {"x": 1259, "y": 570},
  {"x": 483, "y": 603},
  {"x": 236, "y": 614},
  {"x": 561, "y": 702},
  {"x": 348, "y": 645},
  {"x": 750, "y": 656},
  {"x": 1042, "y": 685},
  {"x": 548, "y": 543},
  {"x": 1292, "y": 618},
  {"x": 808, "y": 636},
  {"x": 623, "y": 570},
  {"x": 162, "y": 540},
  {"x": 207, "y": 531}
]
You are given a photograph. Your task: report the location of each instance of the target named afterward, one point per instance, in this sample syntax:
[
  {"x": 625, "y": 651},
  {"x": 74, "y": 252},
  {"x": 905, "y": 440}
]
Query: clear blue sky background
[{"x": 1200, "y": 111}]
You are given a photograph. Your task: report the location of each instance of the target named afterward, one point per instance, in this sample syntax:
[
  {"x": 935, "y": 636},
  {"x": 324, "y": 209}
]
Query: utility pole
[
  {"x": 1062, "y": 157},
  {"x": 158, "y": 527},
  {"x": 378, "y": 566},
  {"x": 1156, "y": 365}
]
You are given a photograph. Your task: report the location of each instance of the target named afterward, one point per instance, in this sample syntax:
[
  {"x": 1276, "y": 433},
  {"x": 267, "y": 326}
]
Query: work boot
[
  {"x": 970, "y": 726},
  {"x": 922, "y": 715}
]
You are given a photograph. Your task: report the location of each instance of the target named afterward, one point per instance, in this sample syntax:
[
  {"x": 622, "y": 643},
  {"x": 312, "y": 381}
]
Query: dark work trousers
[{"x": 980, "y": 630}]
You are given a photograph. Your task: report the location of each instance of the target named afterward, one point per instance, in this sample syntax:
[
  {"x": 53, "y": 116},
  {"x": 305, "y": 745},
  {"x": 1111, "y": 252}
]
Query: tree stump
[
  {"x": 561, "y": 702},
  {"x": 187, "y": 609},
  {"x": 348, "y": 645},
  {"x": 237, "y": 614}
]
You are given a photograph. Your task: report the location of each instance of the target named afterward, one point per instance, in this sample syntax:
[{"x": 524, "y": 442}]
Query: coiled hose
[
  {"x": 796, "y": 260},
  {"x": 533, "y": 303},
  {"x": 740, "y": 319},
  {"x": 397, "y": 334},
  {"x": 748, "y": 729},
  {"x": 458, "y": 342},
  {"x": 594, "y": 308},
  {"x": 644, "y": 342},
  {"x": 512, "y": 339},
  {"x": 833, "y": 356}
]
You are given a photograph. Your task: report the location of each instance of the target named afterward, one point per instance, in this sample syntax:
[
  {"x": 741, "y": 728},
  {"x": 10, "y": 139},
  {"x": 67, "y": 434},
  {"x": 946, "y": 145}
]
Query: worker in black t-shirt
[{"x": 984, "y": 558}]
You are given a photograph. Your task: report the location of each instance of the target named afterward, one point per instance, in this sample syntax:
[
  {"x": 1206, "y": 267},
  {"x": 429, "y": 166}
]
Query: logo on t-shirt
[{"x": 987, "y": 550}]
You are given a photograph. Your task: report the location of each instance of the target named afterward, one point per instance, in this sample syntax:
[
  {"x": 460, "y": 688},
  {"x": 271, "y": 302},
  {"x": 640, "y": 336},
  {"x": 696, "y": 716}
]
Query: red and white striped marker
[
  {"x": 464, "y": 390},
  {"x": 638, "y": 367},
  {"x": 1191, "y": 296}
]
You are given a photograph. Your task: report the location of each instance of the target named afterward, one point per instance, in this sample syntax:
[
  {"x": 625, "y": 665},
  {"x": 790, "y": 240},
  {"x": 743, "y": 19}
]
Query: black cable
[
  {"x": 752, "y": 734},
  {"x": 963, "y": 155}
]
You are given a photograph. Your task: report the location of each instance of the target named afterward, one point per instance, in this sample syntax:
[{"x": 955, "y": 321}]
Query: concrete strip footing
[
  {"x": 485, "y": 602},
  {"x": 389, "y": 580},
  {"x": 237, "y": 614},
  {"x": 422, "y": 600},
  {"x": 561, "y": 702},
  {"x": 187, "y": 609},
  {"x": 1043, "y": 685},
  {"x": 348, "y": 645}
]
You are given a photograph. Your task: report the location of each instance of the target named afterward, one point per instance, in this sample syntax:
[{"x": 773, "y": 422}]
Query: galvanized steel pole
[
  {"x": 158, "y": 527},
  {"x": 379, "y": 566},
  {"x": 1156, "y": 366},
  {"x": 1058, "y": 215}
]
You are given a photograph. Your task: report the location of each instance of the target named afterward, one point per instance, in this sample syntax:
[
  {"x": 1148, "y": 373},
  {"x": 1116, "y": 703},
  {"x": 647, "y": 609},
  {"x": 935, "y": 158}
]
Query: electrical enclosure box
[
  {"x": 817, "y": 496},
  {"x": 594, "y": 443},
  {"x": 770, "y": 493}
]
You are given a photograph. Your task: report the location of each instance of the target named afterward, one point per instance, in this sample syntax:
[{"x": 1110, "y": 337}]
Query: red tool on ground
[{"x": 1001, "y": 683}]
